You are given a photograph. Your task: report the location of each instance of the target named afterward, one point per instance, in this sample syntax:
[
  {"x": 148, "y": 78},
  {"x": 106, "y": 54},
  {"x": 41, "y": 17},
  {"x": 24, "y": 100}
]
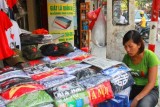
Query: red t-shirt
[
  {"x": 11, "y": 3},
  {"x": 5, "y": 50}
]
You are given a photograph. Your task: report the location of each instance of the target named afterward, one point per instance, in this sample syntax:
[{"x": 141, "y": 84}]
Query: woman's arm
[{"x": 152, "y": 75}]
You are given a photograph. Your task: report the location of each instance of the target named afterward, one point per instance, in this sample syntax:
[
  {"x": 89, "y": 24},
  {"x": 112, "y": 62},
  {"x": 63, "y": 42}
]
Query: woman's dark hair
[{"x": 136, "y": 37}]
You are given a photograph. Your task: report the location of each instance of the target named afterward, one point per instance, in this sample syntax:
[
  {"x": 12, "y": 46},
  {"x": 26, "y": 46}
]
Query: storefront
[
  {"x": 45, "y": 66},
  {"x": 39, "y": 72}
]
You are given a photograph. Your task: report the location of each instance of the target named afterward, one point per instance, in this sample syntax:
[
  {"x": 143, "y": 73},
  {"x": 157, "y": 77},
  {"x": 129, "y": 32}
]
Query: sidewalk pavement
[
  {"x": 157, "y": 47},
  {"x": 157, "y": 52}
]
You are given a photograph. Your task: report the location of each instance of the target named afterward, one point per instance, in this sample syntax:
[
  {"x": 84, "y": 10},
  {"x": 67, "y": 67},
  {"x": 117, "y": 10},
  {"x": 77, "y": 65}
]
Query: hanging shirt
[
  {"x": 13, "y": 35},
  {"x": 11, "y": 3},
  {"x": 5, "y": 50},
  {"x": 3, "y": 5}
]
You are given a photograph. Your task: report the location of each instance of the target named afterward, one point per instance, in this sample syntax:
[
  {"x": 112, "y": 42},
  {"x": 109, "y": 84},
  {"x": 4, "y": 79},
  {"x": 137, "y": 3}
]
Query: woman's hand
[{"x": 134, "y": 102}]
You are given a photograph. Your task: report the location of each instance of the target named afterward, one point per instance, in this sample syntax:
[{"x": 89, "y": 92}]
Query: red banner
[{"x": 155, "y": 10}]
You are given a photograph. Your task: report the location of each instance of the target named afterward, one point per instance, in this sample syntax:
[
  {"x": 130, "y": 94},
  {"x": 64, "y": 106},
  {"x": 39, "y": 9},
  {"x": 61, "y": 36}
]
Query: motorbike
[{"x": 144, "y": 33}]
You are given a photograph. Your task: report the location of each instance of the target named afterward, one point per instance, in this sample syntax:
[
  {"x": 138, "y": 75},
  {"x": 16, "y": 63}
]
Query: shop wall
[
  {"x": 31, "y": 9},
  {"x": 37, "y": 14},
  {"x": 41, "y": 11},
  {"x": 115, "y": 49}
]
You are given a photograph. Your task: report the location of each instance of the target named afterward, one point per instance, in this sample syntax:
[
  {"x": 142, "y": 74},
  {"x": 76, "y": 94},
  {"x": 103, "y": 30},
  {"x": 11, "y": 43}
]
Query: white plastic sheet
[{"x": 98, "y": 36}]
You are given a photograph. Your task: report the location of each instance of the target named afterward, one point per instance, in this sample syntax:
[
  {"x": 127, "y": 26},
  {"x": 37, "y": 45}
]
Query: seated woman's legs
[{"x": 150, "y": 100}]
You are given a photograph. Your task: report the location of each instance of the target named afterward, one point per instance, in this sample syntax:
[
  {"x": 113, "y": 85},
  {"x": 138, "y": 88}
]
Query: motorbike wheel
[{"x": 145, "y": 37}]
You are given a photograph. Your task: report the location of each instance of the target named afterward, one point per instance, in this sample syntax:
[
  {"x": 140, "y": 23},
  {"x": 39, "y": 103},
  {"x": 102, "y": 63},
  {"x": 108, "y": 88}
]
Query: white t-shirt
[
  {"x": 122, "y": 20},
  {"x": 3, "y": 5},
  {"x": 13, "y": 35}
]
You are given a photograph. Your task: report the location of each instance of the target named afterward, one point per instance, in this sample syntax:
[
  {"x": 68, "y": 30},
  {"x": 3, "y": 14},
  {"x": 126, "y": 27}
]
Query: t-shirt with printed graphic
[
  {"x": 5, "y": 50},
  {"x": 11, "y": 3},
  {"x": 140, "y": 71},
  {"x": 13, "y": 35}
]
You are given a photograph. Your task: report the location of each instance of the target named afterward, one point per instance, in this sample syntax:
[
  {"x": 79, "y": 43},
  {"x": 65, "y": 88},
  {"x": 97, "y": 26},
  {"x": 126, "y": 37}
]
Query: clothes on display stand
[
  {"x": 9, "y": 31},
  {"x": 3, "y": 5},
  {"x": 11, "y": 3},
  {"x": 13, "y": 35},
  {"x": 55, "y": 74},
  {"x": 5, "y": 50}
]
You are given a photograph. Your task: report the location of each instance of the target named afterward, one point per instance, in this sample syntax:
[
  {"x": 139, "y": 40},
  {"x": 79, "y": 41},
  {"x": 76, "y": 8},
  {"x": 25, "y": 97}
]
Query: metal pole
[{"x": 153, "y": 24}]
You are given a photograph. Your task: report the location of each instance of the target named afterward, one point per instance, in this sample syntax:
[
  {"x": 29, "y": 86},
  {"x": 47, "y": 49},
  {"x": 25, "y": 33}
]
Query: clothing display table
[{"x": 77, "y": 79}]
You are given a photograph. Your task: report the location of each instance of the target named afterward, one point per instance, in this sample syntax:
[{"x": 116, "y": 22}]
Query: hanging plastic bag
[
  {"x": 98, "y": 36},
  {"x": 92, "y": 16}
]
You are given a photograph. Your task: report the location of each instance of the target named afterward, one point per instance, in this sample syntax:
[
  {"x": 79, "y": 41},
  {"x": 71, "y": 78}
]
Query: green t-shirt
[{"x": 149, "y": 60}]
